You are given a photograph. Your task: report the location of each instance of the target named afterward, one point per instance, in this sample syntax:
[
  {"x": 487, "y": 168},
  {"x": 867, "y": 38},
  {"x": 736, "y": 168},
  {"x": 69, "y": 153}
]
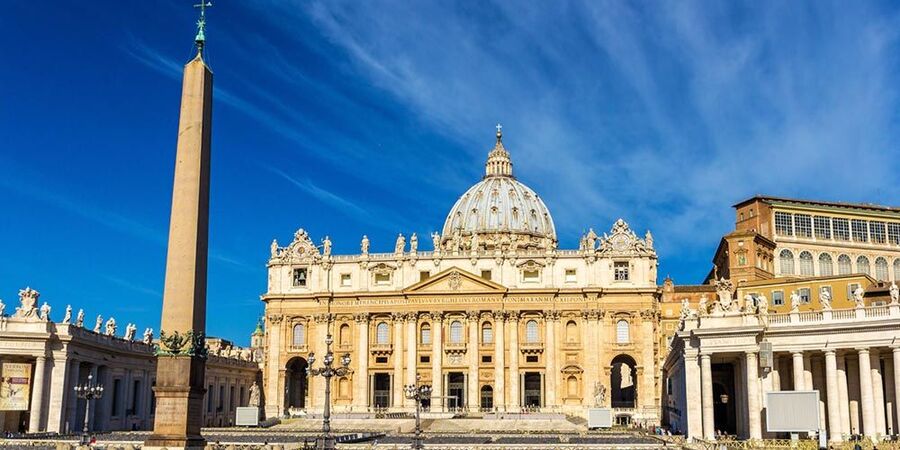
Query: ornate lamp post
[
  {"x": 88, "y": 391},
  {"x": 417, "y": 393},
  {"x": 326, "y": 442}
]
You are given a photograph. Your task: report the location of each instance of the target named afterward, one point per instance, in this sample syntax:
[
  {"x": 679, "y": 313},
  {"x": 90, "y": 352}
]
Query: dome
[{"x": 498, "y": 211}]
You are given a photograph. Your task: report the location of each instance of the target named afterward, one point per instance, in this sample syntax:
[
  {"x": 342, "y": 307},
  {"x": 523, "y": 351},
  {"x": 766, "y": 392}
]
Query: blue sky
[{"x": 351, "y": 118}]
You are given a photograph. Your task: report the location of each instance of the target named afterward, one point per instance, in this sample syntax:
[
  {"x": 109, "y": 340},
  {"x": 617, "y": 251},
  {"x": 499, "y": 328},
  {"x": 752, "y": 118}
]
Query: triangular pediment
[{"x": 454, "y": 280}]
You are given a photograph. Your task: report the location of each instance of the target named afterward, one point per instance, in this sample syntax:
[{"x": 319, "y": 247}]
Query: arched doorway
[
  {"x": 623, "y": 382},
  {"x": 296, "y": 387}
]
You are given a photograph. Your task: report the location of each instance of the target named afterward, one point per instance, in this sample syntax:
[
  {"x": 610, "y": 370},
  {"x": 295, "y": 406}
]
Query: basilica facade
[{"x": 495, "y": 316}]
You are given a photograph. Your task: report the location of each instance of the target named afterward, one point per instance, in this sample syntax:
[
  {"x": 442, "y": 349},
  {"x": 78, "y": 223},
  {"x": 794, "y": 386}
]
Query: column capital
[
  {"x": 361, "y": 317},
  {"x": 437, "y": 316},
  {"x": 473, "y": 316},
  {"x": 830, "y": 351},
  {"x": 796, "y": 352},
  {"x": 751, "y": 354},
  {"x": 704, "y": 355},
  {"x": 411, "y": 317},
  {"x": 862, "y": 351},
  {"x": 498, "y": 315},
  {"x": 552, "y": 316},
  {"x": 513, "y": 316}
]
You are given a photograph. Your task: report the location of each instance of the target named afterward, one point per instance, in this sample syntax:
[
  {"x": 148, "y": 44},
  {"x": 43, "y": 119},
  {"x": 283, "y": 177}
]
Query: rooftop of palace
[{"x": 816, "y": 203}]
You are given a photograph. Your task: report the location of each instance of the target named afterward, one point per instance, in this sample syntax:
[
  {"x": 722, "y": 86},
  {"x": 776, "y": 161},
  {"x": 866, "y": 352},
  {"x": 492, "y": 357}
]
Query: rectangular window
[
  {"x": 487, "y": 335},
  {"x": 531, "y": 359},
  {"x": 486, "y": 274},
  {"x": 804, "y": 295},
  {"x": 620, "y": 271},
  {"x": 426, "y": 336},
  {"x": 381, "y": 360},
  {"x": 570, "y": 276},
  {"x": 860, "y": 230},
  {"x": 382, "y": 279},
  {"x": 777, "y": 298},
  {"x": 346, "y": 280},
  {"x": 841, "y": 229},
  {"x": 784, "y": 224},
  {"x": 850, "y": 288},
  {"x": 424, "y": 275},
  {"x": 893, "y": 235},
  {"x": 876, "y": 230},
  {"x": 424, "y": 359},
  {"x": 531, "y": 276},
  {"x": 487, "y": 359},
  {"x": 822, "y": 227},
  {"x": 300, "y": 277},
  {"x": 803, "y": 225}
]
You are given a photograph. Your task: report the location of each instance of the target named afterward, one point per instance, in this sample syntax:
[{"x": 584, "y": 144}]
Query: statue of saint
[
  {"x": 701, "y": 307},
  {"x": 825, "y": 299},
  {"x": 254, "y": 395},
  {"x": 68, "y": 317},
  {"x": 111, "y": 327},
  {"x": 599, "y": 394},
  {"x": 436, "y": 241},
  {"x": 326, "y": 246},
  {"x": 274, "y": 248},
  {"x": 28, "y": 297},
  {"x": 130, "y": 329},
  {"x": 2, "y": 308},
  {"x": 895, "y": 293},
  {"x": 795, "y": 301},
  {"x": 45, "y": 312},
  {"x": 591, "y": 239},
  {"x": 762, "y": 305},
  {"x": 99, "y": 324},
  {"x": 749, "y": 304},
  {"x": 79, "y": 319},
  {"x": 858, "y": 297},
  {"x": 364, "y": 245},
  {"x": 625, "y": 372},
  {"x": 148, "y": 336},
  {"x": 648, "y": 239},
  {"x": 413, "y": 243},
  {"x": 401, "y": 244}
]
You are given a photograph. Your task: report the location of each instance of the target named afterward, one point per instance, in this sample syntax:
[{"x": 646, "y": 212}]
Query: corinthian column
[
  {"x": 397, "y": 388},
  {"x": 474, "y": 399},
  {"x": 411, "y": 351},
  {"x": 361, "y": 377},
  {"x": 437, "y": 361},
  {"x": 514, "y": 361},
  {"x": 499, "y": 362},
  {"x": 552, "y": 377}
]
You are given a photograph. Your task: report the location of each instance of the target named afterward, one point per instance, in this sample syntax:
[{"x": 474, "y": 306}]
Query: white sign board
[
  {"x": 600, "y": 418},
  {"x": 792, "y": 411},
  {"x": 247, "y": 416}
]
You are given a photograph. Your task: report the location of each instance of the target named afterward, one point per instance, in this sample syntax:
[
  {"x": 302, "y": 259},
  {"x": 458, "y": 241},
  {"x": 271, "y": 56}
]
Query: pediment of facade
[{"x": 454, "y": 280}]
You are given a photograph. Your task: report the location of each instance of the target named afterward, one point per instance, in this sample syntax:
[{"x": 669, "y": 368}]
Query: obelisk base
[{"x": 179, "y": 402}]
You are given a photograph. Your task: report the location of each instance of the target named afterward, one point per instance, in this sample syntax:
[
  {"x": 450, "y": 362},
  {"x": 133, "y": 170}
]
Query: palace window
[
  {"x": 841, "y": 228},
  {"x": 382, "y": 333},
  {"x": 531, "y": 331},
  {"x": 881, "y": 269},
  {"x": 425, "y": 359},
  {"x": 804, "y": 295},
  {"x": 570, "y": 276},
  {"x": 862, "y": 265},
  {"x": 777, "y": 298},
  {"x": 346, "y": 280},
  {"x": 622, "y": 332},
  {"x": 486, "y": 274},
  {"x": 822, "y": 227},
  {"x": 893, "y": 233},
  {"x": 806, "y": 264},
  {"x": 531, "y": 276},
  {"x": 424, "y": 275},
  {"x": 876, "y": 230},
  {"x": 300, "y": 277},
  {"x": 456, "y": 332},
  {"x": 850, "y": 288},
  {"x": 844, "y": 265},
  {"x": 786, "y": 259},
  {"x": 826, "y": 268},
  {"x": 783, "y": 224},
  {"x": 860, "y": 230},
  {"x": 487, "y": 359},
  {"x": 620, "y": 270},
  {"x": 531, "y": 358},
  {"x": 299, "y": 335},
  {"x": 382, "y": 279},
  {"x": 425, "y": 334},
  {"x": 803, "y": 225},
  {"x": 897, "y": 269},
  {"x": 487, "y": 333}
]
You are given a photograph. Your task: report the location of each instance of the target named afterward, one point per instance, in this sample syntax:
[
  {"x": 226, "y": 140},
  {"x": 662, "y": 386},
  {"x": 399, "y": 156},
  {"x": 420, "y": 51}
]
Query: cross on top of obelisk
[{"x": 200, "y": 39}]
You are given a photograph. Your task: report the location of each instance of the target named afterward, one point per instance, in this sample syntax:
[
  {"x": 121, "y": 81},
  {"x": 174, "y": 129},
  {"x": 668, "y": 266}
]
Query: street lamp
[
  {"x": 88, "y": 391},
  {"x": 327, "y": 371},
  {"x": 417, "y": 393}
]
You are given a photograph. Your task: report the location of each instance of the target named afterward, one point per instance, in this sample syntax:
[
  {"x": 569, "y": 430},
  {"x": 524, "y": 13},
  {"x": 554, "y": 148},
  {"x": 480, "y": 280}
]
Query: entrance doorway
[
  {"x": 532, "y": 391},
  {"x": 623, "y": 382},
  {"x": 381, "y": 394},
  {"x": 456, "y": 390},
  {"x": 296, "y": 383},
  {"x": 724, "y": 408},
  {"x": 487, "y": 398}
]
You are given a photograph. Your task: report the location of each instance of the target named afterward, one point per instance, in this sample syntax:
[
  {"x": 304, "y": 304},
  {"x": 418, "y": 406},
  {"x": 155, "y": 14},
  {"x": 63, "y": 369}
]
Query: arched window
[
  {"x": 897, "y": 269},
  {"x": 622, "y": 332},
  {"x": 806, "y": 264},
  {"x": 571, "y": 331},
  {"x": 881, "y": 269},
  {"x": 862, "y": 265},
  {"x": 344, "y": 334},
  {"x": 456, "y": 332},
  {"x": 299, "y": 335},
  {"x": 844, "y": 265},
  {"x": 531, "y": 331},
  {"x": 382, "y": 333},
  {"x": 572, "y": 386},
  {"x": 425, "y": 334},
  {"x": 826, "y": 268},
  {"x": 786, "y": 259},
  {"x": 487, "y": 333}
]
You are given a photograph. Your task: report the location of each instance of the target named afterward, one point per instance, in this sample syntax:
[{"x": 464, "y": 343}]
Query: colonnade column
[
  {"x": 865, "y": 392},
  {"x": 552, "y": 376},
  {"x": 843, "y": 395},
  {"x": 706, "y": 397},
  {"x": 798, "y": 371},
  {"x": 775, "y": 374},
  {"x": 832, "y": 396},
  {"x": 361, "y": 377},
  {"x": 437, "y": 360},
  {"x": 514, "y": 361},
  {"x": 70, "y": 424},
  {"x": 397, "y": 378},
  {"x": 412, "y": 354},
  {"x": 896, "y": 352},
  {"x": 877, "y": 392},
  {"x": 499, "y": 361},
  {"x": 37, "y": 395},
  {"x": 473, "y": 399},
  {"x": 753, "y": 409}
]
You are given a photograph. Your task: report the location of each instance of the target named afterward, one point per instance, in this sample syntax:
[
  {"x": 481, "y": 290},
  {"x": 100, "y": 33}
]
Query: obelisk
[{"x": 181, "y": 360}]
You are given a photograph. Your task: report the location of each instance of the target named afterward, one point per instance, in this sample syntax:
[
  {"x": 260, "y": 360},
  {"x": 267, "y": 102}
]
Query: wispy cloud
[{"x": 131, "y": 286}]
